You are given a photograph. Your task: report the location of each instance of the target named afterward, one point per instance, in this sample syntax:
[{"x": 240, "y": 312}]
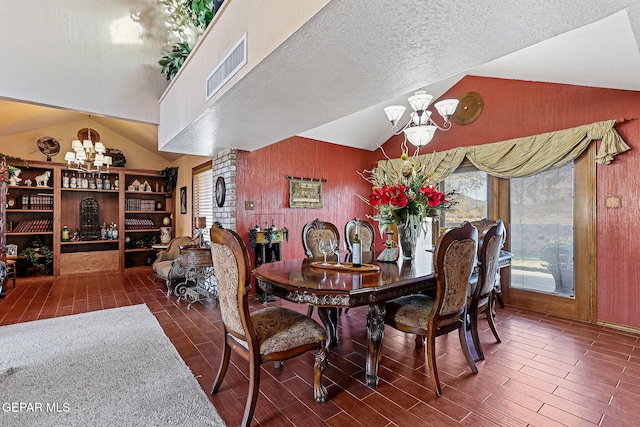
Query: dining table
[{"x": 333, "y": 287}]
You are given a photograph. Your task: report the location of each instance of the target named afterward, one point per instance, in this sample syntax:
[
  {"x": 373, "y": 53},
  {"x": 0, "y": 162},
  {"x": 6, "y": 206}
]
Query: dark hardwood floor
[{"x": 548, "y": 371}]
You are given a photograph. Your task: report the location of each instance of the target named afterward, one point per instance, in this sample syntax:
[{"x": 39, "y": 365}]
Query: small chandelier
[
  {"x": 421, "y": 127},
  {"x": 87, "y": 156}
]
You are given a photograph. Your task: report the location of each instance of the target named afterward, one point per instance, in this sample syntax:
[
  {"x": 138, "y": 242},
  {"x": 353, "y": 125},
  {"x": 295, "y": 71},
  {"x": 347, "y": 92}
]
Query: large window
[
  {"x": 203, "y": 195},
  {"x": 471, "y": 197},
  {"x": 542, "y": 232}
]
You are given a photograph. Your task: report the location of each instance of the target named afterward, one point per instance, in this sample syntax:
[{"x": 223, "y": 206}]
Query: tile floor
[{"x": 548, "y": 371}]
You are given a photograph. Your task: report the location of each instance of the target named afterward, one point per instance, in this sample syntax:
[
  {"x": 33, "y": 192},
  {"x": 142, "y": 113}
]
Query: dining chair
[
  {"x": 482, "y": 291},
  {"x": 315, "y": 231},
  {"x": 270, "y": 334},
  {"x": 454, "y": 259},
  {"x": 483, "y": 225},
  {"x": 367, "y": 234},
  {"x": 312, "y": 233}
]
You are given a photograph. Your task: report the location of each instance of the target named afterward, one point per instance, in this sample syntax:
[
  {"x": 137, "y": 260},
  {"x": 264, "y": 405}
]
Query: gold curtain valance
[{"x": 525, "y": 156}]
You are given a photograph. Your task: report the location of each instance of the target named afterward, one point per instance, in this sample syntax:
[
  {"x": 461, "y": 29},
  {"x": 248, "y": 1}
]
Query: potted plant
[
  {"x": 558, "y": 255},
  {"x": 38, "y": 255},
  {"x": 171, "y": 174}
]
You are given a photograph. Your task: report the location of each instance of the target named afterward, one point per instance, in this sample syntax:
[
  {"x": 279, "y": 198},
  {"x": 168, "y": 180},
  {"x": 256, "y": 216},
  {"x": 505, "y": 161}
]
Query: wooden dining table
[{"x": 306, "y": 281}]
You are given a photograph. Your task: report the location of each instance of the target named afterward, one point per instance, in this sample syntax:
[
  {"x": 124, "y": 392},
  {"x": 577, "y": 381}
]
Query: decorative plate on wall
[
  {"x": 469, "y": 108},
  {"x": 84, "y": 132},
  {"x": 221, "y": 190}
]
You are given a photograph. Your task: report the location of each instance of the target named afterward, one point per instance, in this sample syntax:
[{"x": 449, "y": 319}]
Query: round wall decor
[
  {"x": 469, "y": 108},
  {"x": 221, "y": 190}
]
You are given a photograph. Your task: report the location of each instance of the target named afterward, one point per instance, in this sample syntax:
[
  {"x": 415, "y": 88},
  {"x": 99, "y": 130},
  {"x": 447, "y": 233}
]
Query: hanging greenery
[
  {"x": 173, "y": 59},
  {"x": 171, "y": 175},
  {"x": 187, "y": 20}
]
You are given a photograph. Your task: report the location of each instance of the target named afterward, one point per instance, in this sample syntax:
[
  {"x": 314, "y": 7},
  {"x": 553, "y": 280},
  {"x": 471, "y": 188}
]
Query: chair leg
[
  {"x": 465, "y": 349},
  {"x": 489, "y": 313},
  {"x": 309, "y": 310},
  {"x": 254, "y": 388},
  {"x": 222, "y": 371},
  {"x": 319, "y": 391},
  {"x": 419, "y": 341},
  {"x": 473, "y": 328},
  {"x": 433, "y": 367}
]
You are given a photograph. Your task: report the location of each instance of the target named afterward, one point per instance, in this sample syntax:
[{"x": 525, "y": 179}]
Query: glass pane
[
  {"x": 542, "y": 232},
  {"x": 471, "y": 189}
]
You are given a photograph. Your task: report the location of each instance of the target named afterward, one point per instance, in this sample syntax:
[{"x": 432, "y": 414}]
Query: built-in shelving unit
[{"x": 137, "y": 212}]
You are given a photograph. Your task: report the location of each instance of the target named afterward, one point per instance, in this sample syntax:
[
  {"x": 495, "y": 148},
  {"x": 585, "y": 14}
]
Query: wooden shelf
[
  {"x": 29, "y": 233},
  {"x": 148, "y": 212},
  {"x": 29, "y": 210},
  {"x": 26, "y": 187},
  {"x": 88, "y": 242},
  {"x": 110, "y": 255},
  {"x": 90, "y": 190}
]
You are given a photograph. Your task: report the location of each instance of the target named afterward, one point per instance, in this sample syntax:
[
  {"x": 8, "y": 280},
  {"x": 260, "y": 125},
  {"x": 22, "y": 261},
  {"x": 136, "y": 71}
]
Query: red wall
[
  {"x": 511, "y": 109},
  {"x": 518, "y": 108},
  {"x": 261, "y": 178}
]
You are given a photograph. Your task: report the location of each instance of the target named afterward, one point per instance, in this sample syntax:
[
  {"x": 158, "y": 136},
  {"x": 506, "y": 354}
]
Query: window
[
  {"x": 471, "y": 197},
  {"x": 203, "y": 195},
  {"x": 542, "y": 232}
]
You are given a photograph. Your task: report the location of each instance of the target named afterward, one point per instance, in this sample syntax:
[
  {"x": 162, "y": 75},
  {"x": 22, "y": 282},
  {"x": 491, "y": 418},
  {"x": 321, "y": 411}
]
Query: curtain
[{"x": 524, "y": 156}]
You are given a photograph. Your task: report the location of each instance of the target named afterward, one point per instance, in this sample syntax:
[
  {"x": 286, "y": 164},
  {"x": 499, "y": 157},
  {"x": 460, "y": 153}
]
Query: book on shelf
[{"x": 34, "y": 226}]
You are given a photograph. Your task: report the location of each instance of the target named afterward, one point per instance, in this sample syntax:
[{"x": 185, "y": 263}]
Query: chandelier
[
  {"x": 421, "y": 127},
  {"x": 87, "y": 156}
]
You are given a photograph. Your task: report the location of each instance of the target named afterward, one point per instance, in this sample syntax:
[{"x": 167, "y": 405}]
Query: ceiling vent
[{"x": 228, "y": 67}]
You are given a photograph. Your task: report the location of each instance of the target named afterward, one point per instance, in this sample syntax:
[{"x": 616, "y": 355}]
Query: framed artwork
[
  {"x": 183, "y": 200},
  {"x": 305, "y": 194},
  {"x": 12, "y": 250}
]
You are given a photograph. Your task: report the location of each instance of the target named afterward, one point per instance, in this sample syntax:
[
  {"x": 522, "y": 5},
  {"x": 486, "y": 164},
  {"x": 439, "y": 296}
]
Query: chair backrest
[
  {"x": 173, "y": 249},
  {"x": 231, "y": 264},
  {"x": 488, "y": 254},
  {"x": 367, "y": 234},
  {"x": 454, "y": 259},
  {"x": 315, "y": 231}
]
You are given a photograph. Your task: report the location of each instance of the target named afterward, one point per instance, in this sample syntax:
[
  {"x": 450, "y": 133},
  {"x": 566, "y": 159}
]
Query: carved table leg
[
  {"x": 375, "y": 330},
  {"x": 329, "y": 317}
]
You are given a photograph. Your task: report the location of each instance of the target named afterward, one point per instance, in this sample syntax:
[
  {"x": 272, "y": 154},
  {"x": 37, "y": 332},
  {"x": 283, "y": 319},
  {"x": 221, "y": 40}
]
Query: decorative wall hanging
[
  {"x": 305, "y": 192},
  {"x": 221, "y": 191},
  {"x": 183, "y": 200}
]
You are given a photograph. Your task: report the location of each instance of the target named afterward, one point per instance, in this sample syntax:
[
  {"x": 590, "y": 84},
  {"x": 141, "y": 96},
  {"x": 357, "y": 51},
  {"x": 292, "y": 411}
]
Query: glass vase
[{"x": 407, "y": 239}]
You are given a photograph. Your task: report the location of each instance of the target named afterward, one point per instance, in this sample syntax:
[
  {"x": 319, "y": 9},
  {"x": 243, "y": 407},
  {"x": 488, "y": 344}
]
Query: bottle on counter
[{"x": 356, "y": 247}]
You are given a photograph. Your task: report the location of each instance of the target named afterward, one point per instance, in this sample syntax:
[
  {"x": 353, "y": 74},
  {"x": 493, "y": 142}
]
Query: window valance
[{"x": 524, "y": 156}]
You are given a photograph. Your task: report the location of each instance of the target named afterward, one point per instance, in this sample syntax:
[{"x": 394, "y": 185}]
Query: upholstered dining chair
[
  {"x": 315, "y": 231},
  {"x": 270, "y": 334},
  {"x": 482, "y": 291},
  {"x": 312, "y": 233},
  {"x": 454, "y": 259},
  {"x": 483, "y": 225},
  {"x": 367, "y": 234}
]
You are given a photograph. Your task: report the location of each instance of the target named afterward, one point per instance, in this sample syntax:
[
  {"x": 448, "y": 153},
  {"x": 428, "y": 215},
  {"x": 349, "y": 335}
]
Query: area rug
[{"x": 105, "y": 368}]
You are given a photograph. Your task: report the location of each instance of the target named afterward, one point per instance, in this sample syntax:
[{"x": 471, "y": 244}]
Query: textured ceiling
[{"x": 330, "y": 80}]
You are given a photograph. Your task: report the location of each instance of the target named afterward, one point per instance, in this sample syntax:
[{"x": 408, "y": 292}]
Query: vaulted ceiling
[{"x": 71, "y": 58}]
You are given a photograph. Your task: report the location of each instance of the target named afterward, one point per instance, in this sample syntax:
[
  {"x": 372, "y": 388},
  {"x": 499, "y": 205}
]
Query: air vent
[{"x": 228, "y": 67}]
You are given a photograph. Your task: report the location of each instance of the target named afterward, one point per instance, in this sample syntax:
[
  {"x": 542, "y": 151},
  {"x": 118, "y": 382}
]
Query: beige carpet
[{"x": 105, "y": 368}]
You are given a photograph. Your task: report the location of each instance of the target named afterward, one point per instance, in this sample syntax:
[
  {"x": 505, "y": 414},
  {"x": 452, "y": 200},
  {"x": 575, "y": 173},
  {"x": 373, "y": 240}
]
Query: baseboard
[{"x": 619, "y": 327}]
